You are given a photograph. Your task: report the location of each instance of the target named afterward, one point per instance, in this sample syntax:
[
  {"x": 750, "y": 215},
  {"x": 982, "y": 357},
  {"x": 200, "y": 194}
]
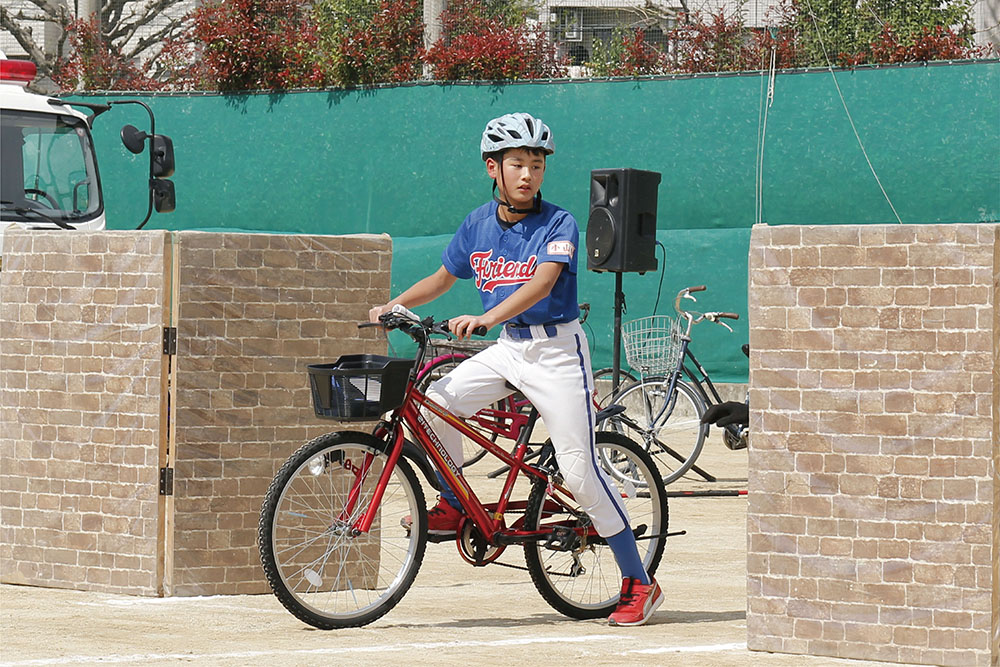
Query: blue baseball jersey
[{"x": 501, "y": 260}]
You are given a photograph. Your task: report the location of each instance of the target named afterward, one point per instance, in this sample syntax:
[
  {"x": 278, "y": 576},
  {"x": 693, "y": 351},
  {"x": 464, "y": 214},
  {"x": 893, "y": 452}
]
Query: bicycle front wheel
[
  {"x": 667, "y": 424},
  {"x": 318, "y": 567},
  {"x": 581, "y": 578}
]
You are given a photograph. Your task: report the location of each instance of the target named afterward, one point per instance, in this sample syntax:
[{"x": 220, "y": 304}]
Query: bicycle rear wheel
[
  {"x": 668, "y": 426},
  {"x": 437, "y": 369},
  {"x": 317, "y": 567},
  {"x": 582, "y": 579}
]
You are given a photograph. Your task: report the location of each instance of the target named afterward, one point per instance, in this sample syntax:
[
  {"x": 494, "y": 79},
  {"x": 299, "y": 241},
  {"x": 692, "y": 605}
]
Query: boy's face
[{"x": 519, "y": 177}]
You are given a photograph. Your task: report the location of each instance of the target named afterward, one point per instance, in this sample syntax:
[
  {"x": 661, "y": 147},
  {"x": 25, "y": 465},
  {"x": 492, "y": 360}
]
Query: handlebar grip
[
  {"x": 732, "y": 316},
  {"x": 478, "y": 331},
  {"x": 699, "y": 288},
  {"x": 365, "y": 325}
]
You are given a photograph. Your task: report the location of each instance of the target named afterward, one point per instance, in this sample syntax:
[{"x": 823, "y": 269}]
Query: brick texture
[
  {"x": 85, "y": 420},
  {"x": 81, "y": 318},
  {"x": 873, "y": 528},
  {"x": 254, "y": 310}
]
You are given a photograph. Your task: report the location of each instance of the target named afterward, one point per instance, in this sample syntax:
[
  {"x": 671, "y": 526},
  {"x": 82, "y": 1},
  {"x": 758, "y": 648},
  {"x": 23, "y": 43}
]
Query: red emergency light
[{"x": 20, "y": 71}]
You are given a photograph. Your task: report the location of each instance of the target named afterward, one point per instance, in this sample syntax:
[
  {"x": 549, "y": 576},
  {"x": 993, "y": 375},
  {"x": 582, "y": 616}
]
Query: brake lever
[
  {"x": 438, "y": 327},
  {"x": 714, "y": 317}
]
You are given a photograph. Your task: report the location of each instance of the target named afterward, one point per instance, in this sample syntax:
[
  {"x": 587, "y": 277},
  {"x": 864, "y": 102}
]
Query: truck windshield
[{"x": 49, "y": 170}]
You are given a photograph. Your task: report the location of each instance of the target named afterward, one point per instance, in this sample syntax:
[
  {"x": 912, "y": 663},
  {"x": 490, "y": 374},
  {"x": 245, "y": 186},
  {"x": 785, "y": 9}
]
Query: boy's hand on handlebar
[
  {"x": 376, "y": 311},
  {"x": 464, "y": 326}
]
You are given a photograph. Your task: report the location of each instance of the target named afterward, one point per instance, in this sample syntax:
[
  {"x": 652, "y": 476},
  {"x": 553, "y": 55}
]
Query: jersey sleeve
[
  {"x": 455, "y": 257},
  {"x": 562, "y": 242}
]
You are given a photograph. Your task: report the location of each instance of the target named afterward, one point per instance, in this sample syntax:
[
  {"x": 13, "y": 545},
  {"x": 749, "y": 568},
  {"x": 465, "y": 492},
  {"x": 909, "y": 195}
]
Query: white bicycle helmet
[{"x": 516, "y": 130}]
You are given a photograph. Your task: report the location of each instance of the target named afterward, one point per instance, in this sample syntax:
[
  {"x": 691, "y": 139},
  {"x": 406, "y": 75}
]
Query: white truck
[{"x": 48, "y": 167}]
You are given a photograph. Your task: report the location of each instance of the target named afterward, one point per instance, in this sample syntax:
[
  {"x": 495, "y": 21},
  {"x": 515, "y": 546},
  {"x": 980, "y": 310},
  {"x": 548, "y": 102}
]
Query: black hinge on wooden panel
[
  {"x": 166, "y": 481},
  {"x": 169, "y": 340}
]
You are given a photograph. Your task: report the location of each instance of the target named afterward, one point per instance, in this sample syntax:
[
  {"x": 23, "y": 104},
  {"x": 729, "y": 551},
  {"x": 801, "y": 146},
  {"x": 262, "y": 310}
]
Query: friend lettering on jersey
[{"x": 492, "y": 273}]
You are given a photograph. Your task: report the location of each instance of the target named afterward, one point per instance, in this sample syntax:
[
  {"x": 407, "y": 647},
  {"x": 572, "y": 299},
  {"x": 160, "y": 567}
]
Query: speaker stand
[{"x": 616, "y": 355}]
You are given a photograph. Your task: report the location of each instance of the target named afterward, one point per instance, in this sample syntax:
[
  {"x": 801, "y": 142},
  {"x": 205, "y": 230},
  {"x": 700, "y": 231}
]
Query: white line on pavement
[
  {"x": 714, "y": 648},
  {"x": 138, "y": 658}
]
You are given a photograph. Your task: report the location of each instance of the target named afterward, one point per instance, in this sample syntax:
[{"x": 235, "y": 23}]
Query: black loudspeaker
[{"x": 621, "y": 230}]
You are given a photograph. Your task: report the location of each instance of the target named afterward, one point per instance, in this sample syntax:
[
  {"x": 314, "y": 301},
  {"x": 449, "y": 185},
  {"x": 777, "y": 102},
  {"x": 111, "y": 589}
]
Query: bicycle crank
[{"x": 473, "y": 545}]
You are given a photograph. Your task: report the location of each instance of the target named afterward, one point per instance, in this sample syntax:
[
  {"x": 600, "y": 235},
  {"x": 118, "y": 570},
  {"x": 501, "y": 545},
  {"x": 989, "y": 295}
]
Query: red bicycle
[{"x": 343, "y": 526}]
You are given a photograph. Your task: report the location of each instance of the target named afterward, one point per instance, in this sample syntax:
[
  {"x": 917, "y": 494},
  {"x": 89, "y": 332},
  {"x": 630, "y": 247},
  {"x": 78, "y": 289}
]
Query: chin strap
[{"x": 535, "y": 207}]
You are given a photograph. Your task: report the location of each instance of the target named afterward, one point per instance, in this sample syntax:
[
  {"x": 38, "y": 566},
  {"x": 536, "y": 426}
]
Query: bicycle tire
[
  {"x": 318, "y": 570},
  {"x": 673, "y": 436},
  {"x": 436, "y": 369},
  {"x": 585, "y": 581},
  {"x": 603, "y": 380}
]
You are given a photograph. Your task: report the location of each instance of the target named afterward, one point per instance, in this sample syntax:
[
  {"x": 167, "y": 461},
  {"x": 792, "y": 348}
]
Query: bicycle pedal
[
  {"x": 437, "y": 539},
  {"x": 562, "y": 539}
]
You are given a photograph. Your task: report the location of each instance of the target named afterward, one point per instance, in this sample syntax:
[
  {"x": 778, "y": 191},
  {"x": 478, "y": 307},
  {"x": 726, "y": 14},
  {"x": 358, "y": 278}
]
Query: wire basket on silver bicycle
[{"x": 653, "y": 344}]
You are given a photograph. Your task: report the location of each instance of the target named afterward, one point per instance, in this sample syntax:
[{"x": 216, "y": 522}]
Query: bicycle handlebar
[
  {"x": 694, "y": 317},
  {"x": 408, "y": 323}
]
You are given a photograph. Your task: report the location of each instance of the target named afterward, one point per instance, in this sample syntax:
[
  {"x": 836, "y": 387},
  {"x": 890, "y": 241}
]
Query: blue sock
[
  {"x": 627, "y": 554},
  {"x": 447, "y": 493}
]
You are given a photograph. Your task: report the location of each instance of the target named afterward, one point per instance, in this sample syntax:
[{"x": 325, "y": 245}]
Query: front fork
[{"x": 364, "y": 523}]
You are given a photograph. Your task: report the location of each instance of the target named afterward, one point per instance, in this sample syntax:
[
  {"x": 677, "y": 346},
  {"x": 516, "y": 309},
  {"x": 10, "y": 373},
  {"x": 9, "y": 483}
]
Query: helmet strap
[{"x": 536, "y": 205}]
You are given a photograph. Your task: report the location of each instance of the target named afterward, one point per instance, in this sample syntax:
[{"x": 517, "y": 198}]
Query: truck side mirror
[
  {"x": 164, "y": 200},
  {"x": 134, "y": 139},
  {"x": 163, "y": 156},
  {"x": 161, "y": 161}
]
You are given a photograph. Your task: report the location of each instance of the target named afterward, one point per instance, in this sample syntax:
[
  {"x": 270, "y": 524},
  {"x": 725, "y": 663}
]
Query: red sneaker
[
  {"x": 442, "y": 519},
  {"x": 637, "y": 602}
]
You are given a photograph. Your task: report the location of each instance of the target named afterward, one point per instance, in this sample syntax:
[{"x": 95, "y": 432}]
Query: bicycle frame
[
  {"x": 487, "y": 518},
  {"x": 506, "y": 423}
]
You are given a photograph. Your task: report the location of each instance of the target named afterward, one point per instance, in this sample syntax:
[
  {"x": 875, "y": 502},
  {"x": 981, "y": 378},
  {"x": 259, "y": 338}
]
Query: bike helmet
[{"x": 516, "y": 130}]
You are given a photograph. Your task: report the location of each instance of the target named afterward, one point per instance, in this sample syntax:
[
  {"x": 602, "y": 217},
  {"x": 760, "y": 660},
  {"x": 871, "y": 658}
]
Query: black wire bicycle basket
[{"x": 358, "y": 387}]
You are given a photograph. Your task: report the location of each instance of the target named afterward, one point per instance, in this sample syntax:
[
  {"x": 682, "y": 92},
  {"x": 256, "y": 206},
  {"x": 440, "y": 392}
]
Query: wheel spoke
[{"x": 319, "y": 568}]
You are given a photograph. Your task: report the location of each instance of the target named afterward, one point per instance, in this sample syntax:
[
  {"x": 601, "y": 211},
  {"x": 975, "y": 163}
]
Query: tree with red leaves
[
  {"x": 627, "y": 53},
  {"x": 482, "y": 45},
  {"x": 96, "y": 64},
  {"x": 371, "y": 42},
  {"x": 259, "y": 45}
]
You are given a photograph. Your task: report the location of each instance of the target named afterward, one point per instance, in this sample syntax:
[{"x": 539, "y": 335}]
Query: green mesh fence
[{"x": 404, "y": 161}]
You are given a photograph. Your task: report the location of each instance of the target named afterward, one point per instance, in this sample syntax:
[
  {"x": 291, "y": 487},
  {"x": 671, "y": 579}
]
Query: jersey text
[{"x": 491, "y": 273}]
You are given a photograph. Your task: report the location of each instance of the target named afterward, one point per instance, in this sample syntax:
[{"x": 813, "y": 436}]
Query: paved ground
[{"x": 454, "y": 614}]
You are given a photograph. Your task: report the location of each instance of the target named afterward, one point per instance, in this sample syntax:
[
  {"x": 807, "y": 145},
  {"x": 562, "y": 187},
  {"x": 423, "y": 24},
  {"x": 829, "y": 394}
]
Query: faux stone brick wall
[
  {"x": 873, "y": 492},
  {"x": 254, "y": 310},
  {"x": 81, "y": 320},
  {"x": 85, "y": 420}
]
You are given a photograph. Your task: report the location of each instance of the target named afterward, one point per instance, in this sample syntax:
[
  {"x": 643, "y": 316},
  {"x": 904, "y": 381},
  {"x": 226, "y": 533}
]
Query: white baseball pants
[{"x": 554, "y": 373}]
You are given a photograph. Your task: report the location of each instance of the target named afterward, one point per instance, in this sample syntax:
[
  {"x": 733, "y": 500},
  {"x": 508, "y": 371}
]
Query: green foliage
[
  {"x": 847, "y": 29},
  {"x": 626, "y": 54},
  {"x": 236, "y": 45}
]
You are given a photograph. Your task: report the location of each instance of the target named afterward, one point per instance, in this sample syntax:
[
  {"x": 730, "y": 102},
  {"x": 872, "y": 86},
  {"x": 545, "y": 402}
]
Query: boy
[{"x": 522, "y": 252}]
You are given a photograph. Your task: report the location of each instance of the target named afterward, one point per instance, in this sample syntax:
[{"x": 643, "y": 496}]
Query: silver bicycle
[{"x": 663, "y": 408}]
